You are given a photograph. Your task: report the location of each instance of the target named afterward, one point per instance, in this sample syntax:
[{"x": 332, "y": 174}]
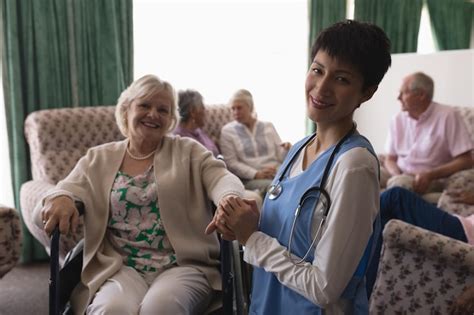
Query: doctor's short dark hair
[{"x": 363, "y": 45}]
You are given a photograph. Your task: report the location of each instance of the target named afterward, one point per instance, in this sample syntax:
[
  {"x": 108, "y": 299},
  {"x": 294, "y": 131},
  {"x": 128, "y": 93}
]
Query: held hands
[
  {"x": 60, "y": 210},
  {"x": 235, "y": 218}
]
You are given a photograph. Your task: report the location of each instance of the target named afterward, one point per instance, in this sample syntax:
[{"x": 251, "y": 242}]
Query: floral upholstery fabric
[
  {"x": 461, "y": 181},
  {"x": 216, "y": 117},
  {"x": 420, "y": 272},
  {"x": 10, "y": 239},
  {"x": 58, "y": 138}
]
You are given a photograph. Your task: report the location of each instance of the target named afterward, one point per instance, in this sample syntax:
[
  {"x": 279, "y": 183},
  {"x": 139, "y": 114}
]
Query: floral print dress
[{"x": 135, "y": 228}]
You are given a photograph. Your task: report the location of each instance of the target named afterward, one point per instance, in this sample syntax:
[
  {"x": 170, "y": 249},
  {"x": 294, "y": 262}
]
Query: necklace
[{"x": 140, "y": 158}]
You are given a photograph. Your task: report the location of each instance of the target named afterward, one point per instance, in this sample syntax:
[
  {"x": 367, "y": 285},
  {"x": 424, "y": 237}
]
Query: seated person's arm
[
  {"x": 390, "y": 164},
  {"x": 459, "y": 163}
]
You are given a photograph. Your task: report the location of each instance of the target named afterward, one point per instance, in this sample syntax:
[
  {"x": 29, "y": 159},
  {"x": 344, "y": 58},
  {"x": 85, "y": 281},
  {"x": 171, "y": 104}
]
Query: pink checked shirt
[{"x": 434, "y": 139}]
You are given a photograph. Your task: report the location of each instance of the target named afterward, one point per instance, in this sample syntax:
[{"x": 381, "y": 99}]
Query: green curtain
[
  {"x": 322, "y": 13},
  {"x": 451, "y": 21},
  {"x": 399, "y": 19},
  {"x": 60, "y": 53}
]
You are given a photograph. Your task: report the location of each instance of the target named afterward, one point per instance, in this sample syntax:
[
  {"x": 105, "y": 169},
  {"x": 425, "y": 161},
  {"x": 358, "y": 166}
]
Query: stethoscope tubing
[{"x": 306, "y": 194}]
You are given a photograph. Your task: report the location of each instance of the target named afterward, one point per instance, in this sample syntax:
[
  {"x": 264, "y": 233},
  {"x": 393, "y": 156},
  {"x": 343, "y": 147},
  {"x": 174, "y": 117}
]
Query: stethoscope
[{"x": 276, "y": 189}]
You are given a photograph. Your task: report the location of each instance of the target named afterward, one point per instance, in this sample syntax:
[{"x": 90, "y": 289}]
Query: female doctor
[{"x": 305, "y": 262}]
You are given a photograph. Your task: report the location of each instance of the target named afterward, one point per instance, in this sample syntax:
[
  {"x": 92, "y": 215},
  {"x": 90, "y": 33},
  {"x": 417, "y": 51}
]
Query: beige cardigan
[{"x": 187, "y": 177}]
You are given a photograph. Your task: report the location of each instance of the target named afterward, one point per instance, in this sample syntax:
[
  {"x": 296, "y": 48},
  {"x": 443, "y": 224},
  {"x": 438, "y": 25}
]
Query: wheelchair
[{"x": 235, "y": 273}]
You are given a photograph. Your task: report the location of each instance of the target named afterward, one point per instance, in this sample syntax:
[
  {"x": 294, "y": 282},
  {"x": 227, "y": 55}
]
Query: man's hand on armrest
[{"x": 391, "y": 166}]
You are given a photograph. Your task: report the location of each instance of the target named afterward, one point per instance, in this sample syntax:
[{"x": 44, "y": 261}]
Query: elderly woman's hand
[
  {"x": 241, "y": 216},
  {"x": 60, "y": 210},
  {"x": 218, "y": 223}
]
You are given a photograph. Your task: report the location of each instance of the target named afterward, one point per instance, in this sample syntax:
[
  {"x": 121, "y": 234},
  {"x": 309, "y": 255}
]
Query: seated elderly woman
[
  {"x": 192, "y": 118},
  {"x": 252, "y": 149},
  {"x": 146, "y": 207}
]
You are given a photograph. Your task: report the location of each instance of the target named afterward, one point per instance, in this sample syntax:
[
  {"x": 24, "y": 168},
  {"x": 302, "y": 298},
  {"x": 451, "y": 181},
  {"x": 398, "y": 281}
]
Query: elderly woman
[
  {"x": 252, "y": 149},
  {"x": 146, "y": 207},
  {"x": 192, "y": 118}
]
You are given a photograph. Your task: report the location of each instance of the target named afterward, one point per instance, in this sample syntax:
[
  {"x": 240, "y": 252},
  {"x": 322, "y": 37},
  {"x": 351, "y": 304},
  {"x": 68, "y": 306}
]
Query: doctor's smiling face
[{"x": 334, "y": 89}]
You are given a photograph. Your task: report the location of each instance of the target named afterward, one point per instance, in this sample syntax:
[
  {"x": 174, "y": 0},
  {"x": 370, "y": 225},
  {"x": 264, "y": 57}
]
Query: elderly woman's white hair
[
  {"x": 244, "y": 96},
  {"x": 144, "y": 87}
]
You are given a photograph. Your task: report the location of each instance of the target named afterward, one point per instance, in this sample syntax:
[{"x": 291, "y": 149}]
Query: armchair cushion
[
  {"x": 58, "y": 138},
  {"x": 216, "y": 117},
  {"x": 420, "y": 271},
  {"x": 460, "y": 181},
  {"x": 10, "y": 239}
]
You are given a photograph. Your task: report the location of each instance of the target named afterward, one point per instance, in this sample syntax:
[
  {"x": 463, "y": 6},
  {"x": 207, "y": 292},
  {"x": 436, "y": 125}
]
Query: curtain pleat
[
  {"x": 451, "y": 21},
  {"x": 399, "y": 19},
  {"x": 60, "y": 53}
]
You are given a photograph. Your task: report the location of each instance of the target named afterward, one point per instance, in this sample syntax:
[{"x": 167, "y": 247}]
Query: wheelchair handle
[{"x": 54, "y": 303}]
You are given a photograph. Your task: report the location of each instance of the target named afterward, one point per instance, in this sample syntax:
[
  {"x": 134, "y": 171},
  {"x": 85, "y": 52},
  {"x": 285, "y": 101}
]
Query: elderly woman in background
[
  {"x": 192, "y": 118},
  {"x": 146, "y": 207},
  {"x": 252, "y": 149}
]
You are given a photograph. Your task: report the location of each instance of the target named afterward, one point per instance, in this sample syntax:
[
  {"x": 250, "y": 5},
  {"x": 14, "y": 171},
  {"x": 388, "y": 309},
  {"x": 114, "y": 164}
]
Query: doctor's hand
[
  {"x": 241, "y": 216},
  {"x": 422, "y": 182}
]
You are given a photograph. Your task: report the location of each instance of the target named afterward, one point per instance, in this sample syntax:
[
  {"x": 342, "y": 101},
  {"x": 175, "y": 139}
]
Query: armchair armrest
[
  {"x": 459, "y": 181},
  {"x": 420, "y": 271},
  {"x": 31, "y": 194}
]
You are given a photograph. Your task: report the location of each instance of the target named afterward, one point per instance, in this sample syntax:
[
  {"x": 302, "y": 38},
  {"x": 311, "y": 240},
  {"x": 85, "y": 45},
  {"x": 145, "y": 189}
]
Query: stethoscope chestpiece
[{"x": 274, "y": 191}]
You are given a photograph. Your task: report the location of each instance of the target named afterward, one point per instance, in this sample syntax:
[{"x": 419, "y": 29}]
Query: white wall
[
  {"x": 452, "y": 72},
  {"x": 218, "y": 47}
]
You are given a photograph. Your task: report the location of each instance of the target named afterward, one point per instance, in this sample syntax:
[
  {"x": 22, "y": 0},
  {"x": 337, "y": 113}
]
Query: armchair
[
  {"x": 10, "y": 239},
  {"x": 420, "y": 271},
  {"x": 58, "y": 138}
]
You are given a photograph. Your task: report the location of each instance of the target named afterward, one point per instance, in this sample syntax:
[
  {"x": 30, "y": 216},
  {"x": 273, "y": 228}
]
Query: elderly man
[{"x": 427, "y": 141}]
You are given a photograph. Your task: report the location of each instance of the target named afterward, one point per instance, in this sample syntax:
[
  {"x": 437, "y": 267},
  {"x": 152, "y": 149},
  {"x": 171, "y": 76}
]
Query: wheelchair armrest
[{"x": 61, "y": 283}]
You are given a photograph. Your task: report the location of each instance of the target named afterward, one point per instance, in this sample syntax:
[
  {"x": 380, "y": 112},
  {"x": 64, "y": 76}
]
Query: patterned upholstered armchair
[
  {"x": 420, "y": 272},
  {"x": 10, "y": 239},
  {"x": 58, "y": 138}
]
